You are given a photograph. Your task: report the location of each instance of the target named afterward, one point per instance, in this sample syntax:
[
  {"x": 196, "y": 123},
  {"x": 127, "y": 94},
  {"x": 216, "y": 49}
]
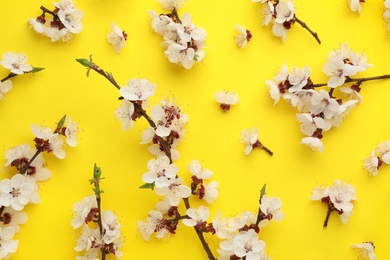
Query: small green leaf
[
  {"x": 262, "y": 191},
  {"x": 36, "y": 69},
  {"x": 61, "y": 122},
  {"x": 147, "y": 186},
  {"x": 84, "y": 62},
  {"x": 97, "y": 172}
]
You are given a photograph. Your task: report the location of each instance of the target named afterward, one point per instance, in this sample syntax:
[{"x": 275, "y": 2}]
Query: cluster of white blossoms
[
  {"x": 184, "y": 41},
  {"x": 116, "y": 37},
  {"x": 378, "y": 156},
  {"x": 239, "y": 234},
  {"x": 242, "y": 36},
  {"x": 226, "y": 99},
  {"x": 22, "y": 188},
  {"x": 338, "y": 197},
  {"x": 365, "y": 250},
  {"x": 91, "y": 239},
  {"x": 320, "y": 110},
  {"x": 16, "y": 63},
  {"x": 65, "y": 21},
  {"x": 280, "y": 13}
]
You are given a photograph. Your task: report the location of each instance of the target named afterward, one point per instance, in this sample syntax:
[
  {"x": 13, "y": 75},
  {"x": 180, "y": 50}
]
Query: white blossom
[
  {"x": 138, "y": 89},
  {"x": 249, "y": 138},
  {"x": 160, "y": 170},
  {"x": 365, "y": 250},
  {"x": 174, "y": 190},
  {"x": 124, "y": 114},
  {"x": 242, "y": 36},
  {"x": 7, "y": 245},
  {"x": 199, "y": 171},
  {"x": 271, "y": 208},
  {"x": 313, "y": 143},
  {"x": 13, "y": 218},
  {"x": 211, "y": 191},
  {"x": 5, "y": 86},
  {"x": 197, "y": 216},
  {"x": 82, "y": 209},
  {"x": 54, "y": 139},
  {"x": 116, "y": 37},
  {"x": 153, "y": 223},
  {"x": 71, "y": 131},
  {"x": 15, "y": 62}
]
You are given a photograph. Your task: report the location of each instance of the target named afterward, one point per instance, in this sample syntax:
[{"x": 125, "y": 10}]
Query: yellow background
[{"x": 212, "y": 137}]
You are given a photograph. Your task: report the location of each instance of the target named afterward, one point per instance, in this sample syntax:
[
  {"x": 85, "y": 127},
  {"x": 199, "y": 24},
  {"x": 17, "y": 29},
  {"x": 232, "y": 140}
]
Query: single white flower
[
  {"x": 38, "y": 26},
  {"x": 158, "y": 115},
  {"x": 249, "y": 138},
  {"x": 154, "y": 223},
  {"x": 13, "y": 218},
  {"x": 116, "y": 37},
  {"x": 310, "y": 123},
  {"x": 72, "y": 21},
  {"x": 271, "y": 208},
  {"x": 82, "y": 210},
  {"x": 183, "y": 55},
  {"x": 174, "y": 190},
  {"x": 355, "y": 6},
  {"x": 372, "y": 164},
  {"x": 226, "y": 99},
  {"x": 5, "y": 87},
  {"x": 111, "y": 227},
  {"x": 138, "y": 89},
  {"x": 15, "y": 62},
  {"x": 273, "y": 85},
  {"x": 89, "y": 238},
  {"x": 323, "y": 103},
  {"x": 313, "y": 143},
  {"x": 365, "y": 250},
  {"x": 124, "y": 114},
  {"x": 17, "y": 192},
  {"x": 279, "y": 30},
  {"x": 199, "y": 171},
  {"x": 160, "y": 170},
  {"x": 351, "y": 94},
  {"x": 66, "y": 6},
  {"x": 7, "y": 245},
  {"x": 211, "y": 191},
  {"x": 197, "y": 216},
  {"x": 160, "y": 22},
  {"x": 285, "y": 11},
  {"x": 341, "y": 195},
  {"x": 71, "y": 131},
  {"x": 319, "y": 193},
  {"x": 338, "y": 70},
  {"x": 242, "y": 36},
  {"x": 298, "y": 78}
]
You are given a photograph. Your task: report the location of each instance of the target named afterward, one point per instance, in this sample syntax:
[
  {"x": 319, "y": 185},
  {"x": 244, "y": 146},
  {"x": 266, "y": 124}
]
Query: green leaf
[
  {"x": 85, "y": 62},
  {"x": 97, "y": 172},
  {"x": 61, "y": 123},
  {"x": 36, "y": 69},
  {"x": 262, "y": 191},
  {"x": 147, "y": 186}
]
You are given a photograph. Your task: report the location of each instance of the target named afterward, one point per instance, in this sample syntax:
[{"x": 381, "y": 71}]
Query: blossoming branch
[
  {"x": 106, "y": 238},
  {"x": 320, "y": 109},
  {"x": 65, "y": 21},
  {"x": 22, "y": 188},
  {"x": 165, "y": 131},
  {"x": 282, "y": 15},
  {"x": 16, "y": 63},
  {"x": 183, "y": 40}
]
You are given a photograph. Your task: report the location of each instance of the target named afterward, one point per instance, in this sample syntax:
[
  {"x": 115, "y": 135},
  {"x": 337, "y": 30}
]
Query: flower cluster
[
  {"x": 378, "y": 156},
  {"x": 282, "y": 15},
  {"x": 184, "y": 41},
  {"x": 65, "y": 21},
  {"x": 16, "y": 63},
  {"x": 320, "y": 110},
  {"x": 242, "y": 37},
  {"x": 338, "y": 197},
  {"x": 106, "y": 238},
  {"x": 116, "y": 37},
  {"x": 365, "y": 250},
  {"x": 22, "y": 188}
]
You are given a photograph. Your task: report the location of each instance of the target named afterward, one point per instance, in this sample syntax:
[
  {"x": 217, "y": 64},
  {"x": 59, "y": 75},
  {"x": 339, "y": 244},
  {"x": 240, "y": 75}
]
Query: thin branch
[
  {"x": 330, "y": 209},
  {"x": 304, "y": 25},
  {"x": 358, "y": 80}
]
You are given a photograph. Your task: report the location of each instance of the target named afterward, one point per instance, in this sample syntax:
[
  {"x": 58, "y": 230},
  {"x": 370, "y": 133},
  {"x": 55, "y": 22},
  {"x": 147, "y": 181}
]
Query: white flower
[
  {"x": 197, "y": 169},
  {"x": 15, "y": 62},
  {"x": 66, "y": 6},
  {"x": 90, "y": 254},
  {"x": 285, "y": 11},
  {"x": 124, "y": 114},
  {"x": 279, "y": 30},
  {"x": 89, "y": 238},
  {"x": 138, "y": 89},
  {"x": 310, "y": 123},
  {"x": 271, "y": 208},
  {"x": 372, "y": 164},
  {"x": 158, "y": 115},
  {"x": 245, "y": 244},
  {"x": 338, "y": 71},
  {"x": 273, "y": 86},
  {"x": 355, "y": 6},
  {"x": 365, "y": 250},
  {"x": 154, "y": 223},
  {"x": 72, "y": 21},
  {"x": 197, "y": 216},
  {"x": 82, "y": 210},
  {"x": 341, "y": 195},
  {"x": 37, "y": 25},
  {"x": 7, "y": 245},
  {"x": 17, "y": 192},
  {"x": 319, "y": 193},
  {"x": 313, "y": 143},
  {"x": 170, "y": 4},
  {"x": 174, "y": 190},
  {"x": 242, "y": 36},
  {"x": 249, "y": 137},
  {"x": 116, "y": 37},
  {"x": 184, "y": 55},
  {"x": 298, "y": 78},
  {"x": 323, "y": 103},
  {"x": 54, "y": 139},
  {"x": 211, "y": 192},
  {"x": 226, "y": 99},
  {"x": 227, "y": 228},
  {"x": 387, "y": 3},
  {"x": 111, "y": 227},
  {"x": 13, "y": 218},
  {"x": 71, "y": 131},
  {"x": 351, "y": 94},
  {"x": 5, "y": 87},
  {"x": 160, "y": 170}
]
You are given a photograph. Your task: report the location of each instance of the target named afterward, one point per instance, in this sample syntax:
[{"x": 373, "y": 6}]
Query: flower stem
[
  {"x": 304, "y": 25},
  {"x": 358, "y": 80},
  {"x": 11, "y": 75},
  {"x": 45, "y": 10},
  {"x": 330, "y": 209}
]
